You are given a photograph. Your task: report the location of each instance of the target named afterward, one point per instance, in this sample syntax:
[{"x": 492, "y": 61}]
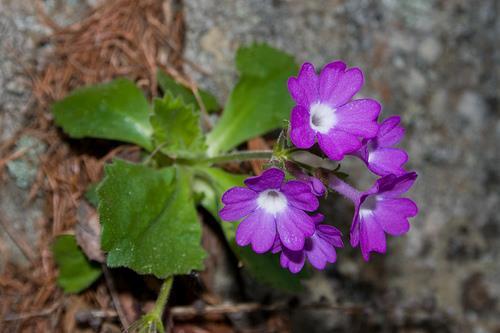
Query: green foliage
[
  {"x": 259, "y": 102},
  {"x": 91, "y": 194},
  {"x": 148, "y": 216},
  {"x": 149, "y": 221},
  {"x": 170, "y": 86},
  {"x": 116, "y": 110},
  {"x": 262, "y": 60},
  {"x": 265, "y": 268},
  {"x": 76, "y": 272},
  {"x": 212, "y": 183},
  {"x": 177, "y": 127}
]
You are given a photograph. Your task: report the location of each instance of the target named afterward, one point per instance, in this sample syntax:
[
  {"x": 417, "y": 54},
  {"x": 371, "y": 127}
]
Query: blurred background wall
[{"x": 437, "y": 64}]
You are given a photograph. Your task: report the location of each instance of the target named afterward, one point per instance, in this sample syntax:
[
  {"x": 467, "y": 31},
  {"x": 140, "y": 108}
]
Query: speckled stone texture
[
  {"x": 435, "y": 63},
  {"x": 20, "y": 30}
]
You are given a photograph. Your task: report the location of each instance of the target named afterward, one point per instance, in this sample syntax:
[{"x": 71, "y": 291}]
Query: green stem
[
  {"x": 152, "y": 321},
  {"x": 162, "y": 299},
  {"x": 247, "y": 155}
]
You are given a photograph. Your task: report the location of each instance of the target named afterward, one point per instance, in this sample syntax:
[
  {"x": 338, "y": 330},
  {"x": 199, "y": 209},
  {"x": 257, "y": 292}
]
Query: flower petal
[
  {"x": 304, "y": 88},
  {"x": 329, "y": 78},
  {"x": 389, "y": 132},
  {"x": 359, "y": 117},
  {"x": 393, "y": 187},
  {"x": 301, "y": 132},
  {"x": 299, "y": 195},
  {"x": 328, "y": 250},
  {"x": 393, "y": 224},
  {"x": 402, "y": 206},
  {"x": 239, "y": 202},
  {"x": 317, "y": 257},
  {"x": 371, "y": 236},
  {"x": 321, "y": 252},
  {"x": 258, "y": 229},
  {"x": 330, "y": 234},
  {"x": 335, "y": 144},
  {"x": 354, "y": 232},
  {"x": 234, "y": 212},
  {"x": 317, "y": 186},
  {"x": 385, "y": 161},
  {"x": 362, "y": 153},
  {"x": 292, "y": 260},
  {"x": 237, "y": 195},
  {"x": 244, "y": 233},
  {"x": 269, "y": 179},
  {"x": 349, "y": 83},
  {"x": 277, "y": 245},
  {"x": 297, "y": 93},
  {"x": 293, "y": 227},
  {"x": 317, "y": 218},
  {"x": 393, "y": 214}
]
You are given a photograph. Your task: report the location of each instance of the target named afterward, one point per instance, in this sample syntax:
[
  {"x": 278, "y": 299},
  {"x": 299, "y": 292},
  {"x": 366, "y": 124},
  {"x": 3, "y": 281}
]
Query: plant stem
[
  {"x": 247, "y": 155},
  {"x": 343, "y": 188},
  {"x": 162, "y": 299}
]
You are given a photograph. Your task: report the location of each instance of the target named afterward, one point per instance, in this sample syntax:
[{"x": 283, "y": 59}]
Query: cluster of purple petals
[
  {"x": 275, "y": 216},
  {"x": 278, "y": 215},
  {"x": 379, "y": 153},
  {"x": 325, "y": 112},
  {"x": 380, "y": 210},
  {"x": 319, "y": 249}
]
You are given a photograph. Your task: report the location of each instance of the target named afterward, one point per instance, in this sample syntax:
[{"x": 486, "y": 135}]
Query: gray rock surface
[
  {"x": 17, "y": 22},
  {"x": 20, "y": 30},
  {"x": 435, "y": 63}
]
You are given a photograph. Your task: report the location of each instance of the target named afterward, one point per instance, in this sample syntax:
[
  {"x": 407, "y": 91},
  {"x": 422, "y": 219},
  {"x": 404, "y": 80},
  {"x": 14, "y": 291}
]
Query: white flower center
[
  {"x": 322, "y": 117},
  {"x": 368, "y": 206},
  {"x": 272, "y": 201},
  {"x": 371, "y": 147}
]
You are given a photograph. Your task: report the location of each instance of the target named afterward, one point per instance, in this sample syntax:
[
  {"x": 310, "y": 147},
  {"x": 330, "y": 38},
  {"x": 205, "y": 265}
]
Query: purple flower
[
  {"x": 381, "y": 210},
  {"x": 379, "y": 155},
  {"x": 326, "y": 113},
  {"x": 317, "y": 187},
  {"x": 270, "y": 207},
  {"x": 319, "y": 249}
]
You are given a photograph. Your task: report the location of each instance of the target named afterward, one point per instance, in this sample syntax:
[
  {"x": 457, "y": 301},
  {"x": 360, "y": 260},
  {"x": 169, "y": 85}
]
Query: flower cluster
[{"x": 278, "y": 213}]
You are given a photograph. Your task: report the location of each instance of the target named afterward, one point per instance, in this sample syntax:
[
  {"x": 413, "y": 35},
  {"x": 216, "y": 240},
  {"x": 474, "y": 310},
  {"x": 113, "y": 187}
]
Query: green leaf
[
  {"x": 169, "y": 85},
  {"x": 265, "y": 268},
  {"x": 116, "y": 110},
  {"x": 341, "y": 175},
  {"x": 91, "y": 194},
  {"x": 261, "y": 60},
  {"x": 212, "y": 184},
  {"x": 177, "y": 127},
  {"x": 76, "y": 272},
  {"x": 259, "y": 102},
  {"x": 149, "y": 220}
]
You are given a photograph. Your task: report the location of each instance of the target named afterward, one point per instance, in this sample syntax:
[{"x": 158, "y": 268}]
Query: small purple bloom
[
  {"x": 381, "y": 210},
  {"x": 379, "y": 154},
  {"x": 319, "y": 249},
  {"x": 270, "y": 207},
  {"x": 317, "y": 187},
  {"x": 326, "y": 113}
]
